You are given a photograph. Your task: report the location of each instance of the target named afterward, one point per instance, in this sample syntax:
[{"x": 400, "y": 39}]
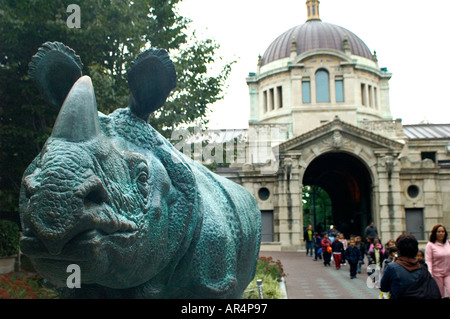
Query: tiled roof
[{"x": 427, "y": 131}]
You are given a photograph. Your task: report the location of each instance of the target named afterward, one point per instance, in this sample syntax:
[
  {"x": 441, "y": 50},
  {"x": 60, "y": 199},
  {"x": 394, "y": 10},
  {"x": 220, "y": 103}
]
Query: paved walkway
[{"x": 308, "y": 279}]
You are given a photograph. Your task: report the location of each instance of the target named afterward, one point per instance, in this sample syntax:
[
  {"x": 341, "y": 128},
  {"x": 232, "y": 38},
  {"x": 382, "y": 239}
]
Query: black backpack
[{"x": 424, "y": 288}]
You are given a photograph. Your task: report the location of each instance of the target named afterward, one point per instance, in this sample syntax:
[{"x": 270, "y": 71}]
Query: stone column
[
  {"x": 433, "y": 204},
  {"x": 391, "y": 215},
  {"x": 288, "y": 207},
  {"x": 255, "y": 113},
  {"x": 384, "y": 106}
]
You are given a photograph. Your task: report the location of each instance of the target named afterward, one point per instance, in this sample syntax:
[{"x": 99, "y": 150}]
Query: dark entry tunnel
[{"x": 348, "y": 183}]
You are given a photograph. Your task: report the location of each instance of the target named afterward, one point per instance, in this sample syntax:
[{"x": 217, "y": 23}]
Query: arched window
[{"x": 322, "y": 87}]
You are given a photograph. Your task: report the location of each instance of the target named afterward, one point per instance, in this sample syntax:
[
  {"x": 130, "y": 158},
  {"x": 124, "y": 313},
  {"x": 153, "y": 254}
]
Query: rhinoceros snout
[{"x": 55, "y": 217}]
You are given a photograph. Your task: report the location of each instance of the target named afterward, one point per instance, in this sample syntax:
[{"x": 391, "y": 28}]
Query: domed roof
[{"x": 315, "y": 34}]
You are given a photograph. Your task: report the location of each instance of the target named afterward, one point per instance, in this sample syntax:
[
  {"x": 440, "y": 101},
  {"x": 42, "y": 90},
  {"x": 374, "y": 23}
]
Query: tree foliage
[
  {"x": 112, "y": 34},
  {"x": 317, "y": 206}
]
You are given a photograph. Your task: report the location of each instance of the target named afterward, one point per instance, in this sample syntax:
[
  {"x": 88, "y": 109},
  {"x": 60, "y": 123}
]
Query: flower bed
[
  {"x": 270, "y": 266},
  {"x": 271, "y": 273},
  {"x": 23, "y": 285}
]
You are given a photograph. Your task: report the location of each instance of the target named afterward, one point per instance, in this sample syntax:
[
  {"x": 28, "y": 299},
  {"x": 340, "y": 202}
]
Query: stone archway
[{"x": 348, "y": 183}]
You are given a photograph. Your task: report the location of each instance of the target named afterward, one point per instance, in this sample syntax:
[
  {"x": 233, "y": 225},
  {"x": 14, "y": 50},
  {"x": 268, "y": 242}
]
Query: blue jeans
[
  {"x": 309, "y": 248},
  {"x": 358, "y": 268},
  {"x": 317, "y": 254}
]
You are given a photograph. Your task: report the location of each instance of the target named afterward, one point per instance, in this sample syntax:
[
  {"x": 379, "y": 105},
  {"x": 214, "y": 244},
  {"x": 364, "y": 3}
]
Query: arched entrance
[{"x": 348, "y": 183}]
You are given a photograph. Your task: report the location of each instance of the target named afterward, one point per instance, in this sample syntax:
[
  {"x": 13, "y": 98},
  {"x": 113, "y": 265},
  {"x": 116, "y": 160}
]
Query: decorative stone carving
[
  {"x": 287, "y": 165},
  {"x": 388, "y": 162},
  {"x": 336, "y": 141}
]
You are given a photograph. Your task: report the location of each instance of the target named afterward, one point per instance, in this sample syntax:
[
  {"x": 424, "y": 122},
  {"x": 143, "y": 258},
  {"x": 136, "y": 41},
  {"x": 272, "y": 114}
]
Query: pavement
[{"x": 309, "y": 279}]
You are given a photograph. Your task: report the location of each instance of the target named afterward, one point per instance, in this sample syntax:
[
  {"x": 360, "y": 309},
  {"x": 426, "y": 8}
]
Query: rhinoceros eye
[{"x": 142, "y": 178}]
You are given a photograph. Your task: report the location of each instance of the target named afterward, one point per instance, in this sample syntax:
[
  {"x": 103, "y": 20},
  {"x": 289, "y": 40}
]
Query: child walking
[
  {"x": 421, "y": 257},
  {"x": 338, "y": 249},
  {"x": 353, "y": 257},
  {"x": 377, "y": 256},
  {"x": 326, "y": 250},
  {"x": 317, "y": 246}
]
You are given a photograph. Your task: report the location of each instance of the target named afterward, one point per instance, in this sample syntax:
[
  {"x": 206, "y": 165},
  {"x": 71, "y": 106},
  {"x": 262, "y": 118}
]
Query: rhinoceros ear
[
  {"x": 151, "y": 78},
  {"x": 55, "y": 68}
]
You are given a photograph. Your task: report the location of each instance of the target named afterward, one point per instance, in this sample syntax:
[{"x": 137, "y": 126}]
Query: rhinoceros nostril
[
  {"x": 93, "y": 192},
  {"x": 96, "y": 195}
]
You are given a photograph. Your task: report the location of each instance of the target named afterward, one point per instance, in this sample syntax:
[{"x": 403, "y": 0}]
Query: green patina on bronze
[{"x": 112, "y": 195}]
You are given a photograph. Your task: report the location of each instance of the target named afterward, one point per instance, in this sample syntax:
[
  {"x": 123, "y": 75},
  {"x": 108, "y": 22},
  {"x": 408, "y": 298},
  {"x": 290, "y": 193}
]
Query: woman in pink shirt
[{"x": 437, "y": 257}]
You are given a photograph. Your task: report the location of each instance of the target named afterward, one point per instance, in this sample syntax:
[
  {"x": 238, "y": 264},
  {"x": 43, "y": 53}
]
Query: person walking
[
  {"x": 345, "y": 243},
  {"x": 326, "y": 250},
  {"x": 376, "y": 241},
  {"x": 338, "y": 250},
  {"x": 403, "y": 273},
  {"x": 421, "y": 257},
  {"x": 354, "y": 257},
  {"x": 308, "y": 238},
  {"x": 317, "y": 246},
  {"x": 437, "y": 258},
  {"x": 377, "y": 256},
  {"x": 332, "y": 232},
  {"x": 362, "y": 248},
  {"x": 391, "y": 256},
  {"x": 371, "y": 232}
]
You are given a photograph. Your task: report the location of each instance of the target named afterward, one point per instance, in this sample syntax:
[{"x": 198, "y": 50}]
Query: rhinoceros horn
[{"x": 77, "y": 120}]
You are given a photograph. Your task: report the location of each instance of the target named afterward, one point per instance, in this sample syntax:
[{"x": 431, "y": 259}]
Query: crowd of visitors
[{"x": 400, "y": 263}]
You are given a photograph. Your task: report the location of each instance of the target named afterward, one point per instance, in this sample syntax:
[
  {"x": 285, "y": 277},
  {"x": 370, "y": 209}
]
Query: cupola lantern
[{"x": 312, "y": 7}]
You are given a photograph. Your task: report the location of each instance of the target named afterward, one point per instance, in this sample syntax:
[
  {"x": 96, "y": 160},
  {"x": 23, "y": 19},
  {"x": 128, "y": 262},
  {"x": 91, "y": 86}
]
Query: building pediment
[{"x": 338, "y": 135}]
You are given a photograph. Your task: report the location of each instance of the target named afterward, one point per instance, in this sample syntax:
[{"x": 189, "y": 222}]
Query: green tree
[
  {"x": 316, "y": 206},
  {"x": 112, "y": 34}
]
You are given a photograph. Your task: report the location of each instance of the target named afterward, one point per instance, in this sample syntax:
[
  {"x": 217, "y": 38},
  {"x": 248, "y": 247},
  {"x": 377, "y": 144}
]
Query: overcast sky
[{"x": 411, "y": 38}]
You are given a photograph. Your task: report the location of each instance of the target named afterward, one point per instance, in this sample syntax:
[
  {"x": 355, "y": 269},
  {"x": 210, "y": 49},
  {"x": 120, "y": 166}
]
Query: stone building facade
[{"x": 322, "y": 102}]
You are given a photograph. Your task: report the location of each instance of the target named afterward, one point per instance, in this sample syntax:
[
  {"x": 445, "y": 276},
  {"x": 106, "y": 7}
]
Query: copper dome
[{"x": 314, "y": 34}]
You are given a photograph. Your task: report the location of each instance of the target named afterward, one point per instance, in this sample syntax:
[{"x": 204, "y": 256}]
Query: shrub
[{"x": 9, "y": 238}]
